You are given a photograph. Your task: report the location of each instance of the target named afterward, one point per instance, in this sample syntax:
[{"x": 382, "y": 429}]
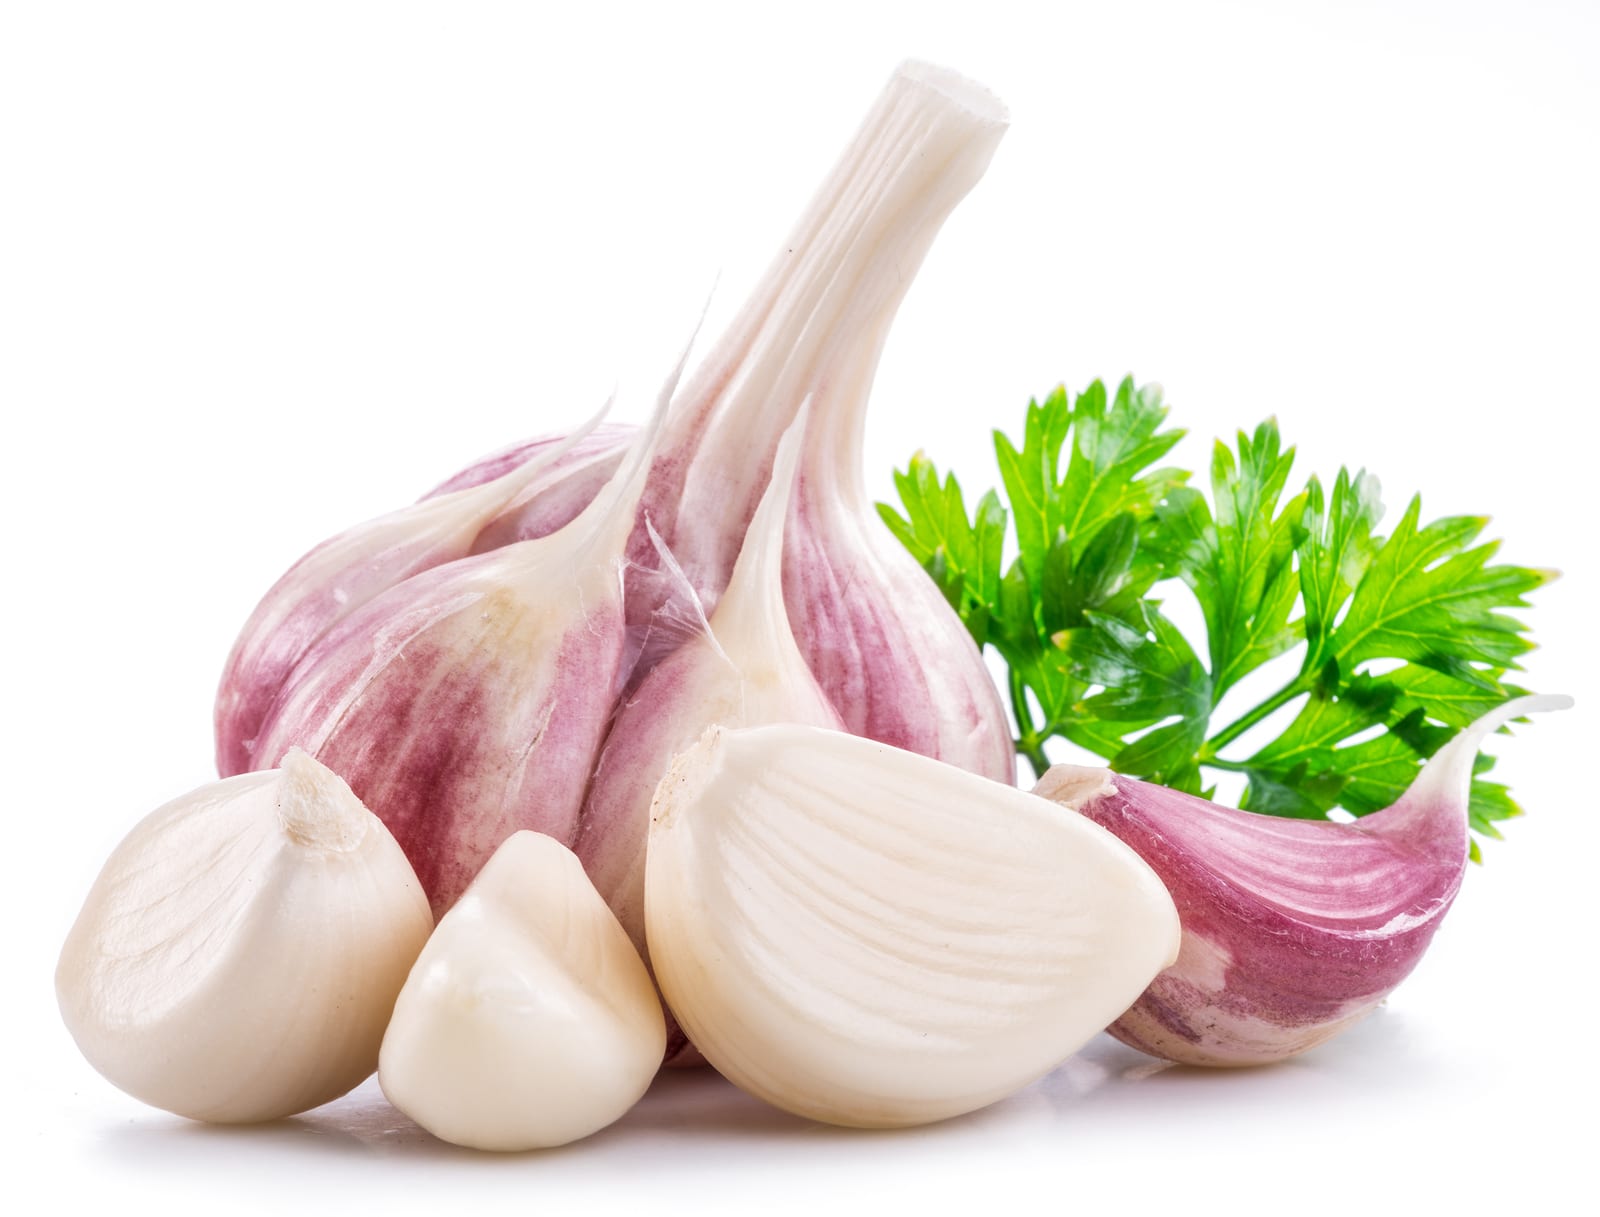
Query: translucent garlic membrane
[
  {"x": 868, "y": 937},
  {"x": 1292, "y": 929}
]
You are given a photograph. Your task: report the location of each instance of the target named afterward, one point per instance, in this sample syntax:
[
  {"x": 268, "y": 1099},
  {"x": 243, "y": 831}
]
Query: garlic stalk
[
  {"x": 239, "y": 955},
  {"x": 348, "y": 571},
  {"x": 1292, "y": 929},
  {"x": 529, "y": 1020},
  {"x": 471, "y": 700},
  {"x": 868, "y": 937}
]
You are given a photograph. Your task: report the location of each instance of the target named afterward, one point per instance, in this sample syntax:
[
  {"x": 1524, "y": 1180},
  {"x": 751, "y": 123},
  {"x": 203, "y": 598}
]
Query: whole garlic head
[{"x": 239, "y": 955}]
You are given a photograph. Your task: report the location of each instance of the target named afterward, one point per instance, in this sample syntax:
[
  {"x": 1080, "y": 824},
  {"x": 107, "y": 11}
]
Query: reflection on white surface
[{"x": 691, "y": 1118}]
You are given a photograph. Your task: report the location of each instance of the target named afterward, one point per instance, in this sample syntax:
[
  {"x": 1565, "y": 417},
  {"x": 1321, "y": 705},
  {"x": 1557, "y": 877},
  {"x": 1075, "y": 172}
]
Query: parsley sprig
[{"x": 1402, "y": 639}]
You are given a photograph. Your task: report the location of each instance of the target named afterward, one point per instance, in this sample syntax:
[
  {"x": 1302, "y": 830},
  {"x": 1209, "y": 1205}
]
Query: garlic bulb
[
  {"x": 867, "y": 937},
  {"x": 239, "y": 955},
  {"x": 1292, "y": 929},
  {"x": 471, "y": 700},
  {"x": 350, "y": 570},
  {"x": 529, "y": 1020}
]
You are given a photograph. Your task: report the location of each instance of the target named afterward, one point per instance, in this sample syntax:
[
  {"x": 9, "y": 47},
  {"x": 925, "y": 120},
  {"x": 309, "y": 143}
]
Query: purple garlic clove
[
  {"x": 1292, "y": 929},
  {"x": 347, "y": 572},
  {"x": 470, "y": 701}
]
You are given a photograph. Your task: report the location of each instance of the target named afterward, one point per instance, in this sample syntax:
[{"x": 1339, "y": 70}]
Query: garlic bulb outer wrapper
[
  {"x": 348, "y": 571},
  {"x": 1293, "y": 930},
  {"x": 471, "y": 700},
  {"x": 868, "y": 937},
  {"x": 239, "y": 955},
  {"x": 529, "y": 1020}
]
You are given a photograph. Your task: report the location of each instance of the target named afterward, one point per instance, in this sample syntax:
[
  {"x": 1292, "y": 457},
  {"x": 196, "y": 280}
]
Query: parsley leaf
[{"x": 1402, "y": 639}]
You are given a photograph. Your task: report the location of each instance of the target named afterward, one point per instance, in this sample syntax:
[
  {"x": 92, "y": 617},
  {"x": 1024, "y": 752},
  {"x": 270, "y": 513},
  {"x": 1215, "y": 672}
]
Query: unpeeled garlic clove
[
  {"x": 238, "y": 957},
  {"x": 1293, "y": 930},
  {"x": 529, "y": 1020},
  {"x": 867, "y": 937},
  {"x": 347, "y": 572},
  {"x": 471, "y": 700}
]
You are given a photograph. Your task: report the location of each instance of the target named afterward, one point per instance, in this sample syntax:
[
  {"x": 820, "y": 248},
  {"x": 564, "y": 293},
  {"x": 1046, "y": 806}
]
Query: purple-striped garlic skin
[
  {"x": 881, "y": 639},
  {"x": 1292, "y": 929},
  {"x": 348, "y": 571},
  {"x": 742, "y": 669},
  {"x": 471, "y": 700}
]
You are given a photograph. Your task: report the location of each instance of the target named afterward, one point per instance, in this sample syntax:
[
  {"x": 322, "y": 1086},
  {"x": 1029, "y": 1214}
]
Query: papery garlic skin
[
  {"x": 868, "y": 937},
  {"x": 349, "y": 571},
  {"x": 529, "y": 1020},
  {"x": 1292, "y": 929},
  {"x": 239, "y": 955}
]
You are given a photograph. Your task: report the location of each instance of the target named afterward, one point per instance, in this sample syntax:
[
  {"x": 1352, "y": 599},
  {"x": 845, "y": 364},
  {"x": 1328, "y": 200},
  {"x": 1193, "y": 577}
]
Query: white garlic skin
[
  {"x": 239, "y": 955},
  {"x": 867, "y": 937},
  {"x": 529, "y": 1020}
]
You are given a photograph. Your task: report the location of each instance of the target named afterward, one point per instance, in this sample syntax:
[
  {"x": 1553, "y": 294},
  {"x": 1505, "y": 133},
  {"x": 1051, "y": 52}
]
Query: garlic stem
[{"x": 817, "y": 322}]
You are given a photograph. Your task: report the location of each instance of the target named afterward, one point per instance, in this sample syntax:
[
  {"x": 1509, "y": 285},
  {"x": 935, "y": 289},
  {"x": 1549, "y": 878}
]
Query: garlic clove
[
  {"x": 238, "y": 957},
  {"x": 1293, "y": 930},
  {"x": 347, "y": 572},
  {"x": 471, "y": 700},
  {"x": 529, "y": 1020},
  {"x": 868, "y": 937}
]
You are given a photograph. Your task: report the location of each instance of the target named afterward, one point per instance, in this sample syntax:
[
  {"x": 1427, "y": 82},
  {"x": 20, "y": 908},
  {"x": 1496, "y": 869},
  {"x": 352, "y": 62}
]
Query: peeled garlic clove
[
  {"x": 348, "y": 571},
  {"x": 867, "y": 937},
  {"x": 238, "y": 957},
  {"x": 1292, "y": 929},
  {"x": 529, "y": 1020}
]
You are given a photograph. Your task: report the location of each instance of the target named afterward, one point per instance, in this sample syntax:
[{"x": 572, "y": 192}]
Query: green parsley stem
[
  {"x": 1208, "y": 751},
  {"x": 1030, "y": 742}
]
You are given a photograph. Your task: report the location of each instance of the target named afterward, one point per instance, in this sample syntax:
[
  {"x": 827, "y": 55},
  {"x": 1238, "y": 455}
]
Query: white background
[{"x": 266, "y": 270}]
